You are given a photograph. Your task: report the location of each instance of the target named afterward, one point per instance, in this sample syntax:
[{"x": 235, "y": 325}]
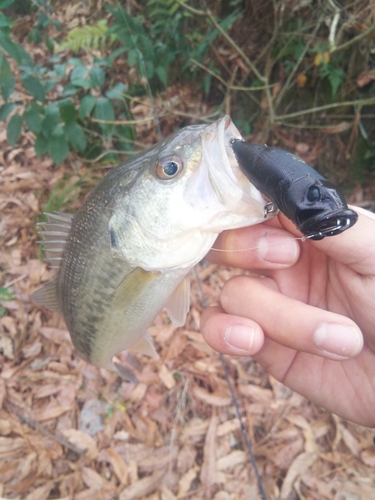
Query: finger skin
[
  {"x": 283, "y": 319},
  {"x": 245, "y": 247},
  {"x": 354, "y": 247},
  {"x": 218, "y": 329}
]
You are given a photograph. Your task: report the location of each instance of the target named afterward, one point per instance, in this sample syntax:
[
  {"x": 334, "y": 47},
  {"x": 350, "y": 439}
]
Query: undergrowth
[{"x": 270, "y": 65}]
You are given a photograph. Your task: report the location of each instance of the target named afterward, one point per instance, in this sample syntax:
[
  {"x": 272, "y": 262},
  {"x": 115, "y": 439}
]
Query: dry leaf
[
  {"x": 208, "y": 468},
  {"x": 92, "y": 479},
  {"x": 83, "y": 441},
  {"x": 142, "y": 487}
]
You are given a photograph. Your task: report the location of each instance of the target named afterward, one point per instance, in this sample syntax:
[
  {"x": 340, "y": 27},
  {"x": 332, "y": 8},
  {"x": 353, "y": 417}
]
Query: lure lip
[{"x": 322, "y": 225}]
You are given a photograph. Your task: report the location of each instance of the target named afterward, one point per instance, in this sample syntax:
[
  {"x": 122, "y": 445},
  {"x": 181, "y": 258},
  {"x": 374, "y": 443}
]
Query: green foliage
[
  {"x": 87, "y": 37},
  {"x": 5, "y": 295},
  {"x": 78, "y": 98},
  {"x": 334, "y": 75}
]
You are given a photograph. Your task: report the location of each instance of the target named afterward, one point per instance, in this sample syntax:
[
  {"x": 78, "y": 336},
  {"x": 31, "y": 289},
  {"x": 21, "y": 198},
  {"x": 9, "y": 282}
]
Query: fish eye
[
  {"x": 313, "y": 194},
  {"x": 168, "y": 168}
]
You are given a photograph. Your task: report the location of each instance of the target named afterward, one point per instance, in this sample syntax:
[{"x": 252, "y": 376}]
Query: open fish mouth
[{"x": 230, "y": 184}]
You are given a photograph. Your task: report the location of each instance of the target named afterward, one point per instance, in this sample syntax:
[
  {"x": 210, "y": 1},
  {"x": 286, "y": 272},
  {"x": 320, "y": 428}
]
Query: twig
[
  {"x": 40, "y": 428},
  {"x": 354, "y": 40},
  {"x": 362, "y": 102},
  {"x": 239, "y": 51},
  {"x": 10, "y": 283},
  {"x": 235, "y": 403},
  {"x": 230, "y": 87},
  {"x": 124, "y": 122}
]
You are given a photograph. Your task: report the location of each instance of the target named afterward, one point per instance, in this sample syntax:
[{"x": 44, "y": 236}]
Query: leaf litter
[{"x": 71, "y": 431}]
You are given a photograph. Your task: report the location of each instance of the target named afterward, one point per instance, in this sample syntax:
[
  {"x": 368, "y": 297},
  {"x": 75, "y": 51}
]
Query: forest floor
[{"x": 71, "y": 431}]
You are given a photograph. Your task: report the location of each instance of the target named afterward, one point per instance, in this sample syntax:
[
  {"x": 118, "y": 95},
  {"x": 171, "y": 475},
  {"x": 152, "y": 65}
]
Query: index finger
[
  {"x": 262, "y": 246},
  {"x": 354, "y": 247}
]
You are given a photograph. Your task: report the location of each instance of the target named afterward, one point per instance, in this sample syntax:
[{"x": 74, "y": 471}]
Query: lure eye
[
  {"x": 168, "y": 168},
  {"x": 313, "y": 194}
]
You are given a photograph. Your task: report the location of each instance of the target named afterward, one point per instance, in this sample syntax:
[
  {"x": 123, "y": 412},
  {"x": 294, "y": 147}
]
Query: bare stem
[
  {"x": 361, "y": 102},
  {"x": 354, "y": 40}
]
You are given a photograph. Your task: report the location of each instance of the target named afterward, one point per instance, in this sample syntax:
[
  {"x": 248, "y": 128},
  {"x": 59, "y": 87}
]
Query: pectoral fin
[
  {"x": 178, "y": 304},
  {"x": 47, "y": 297},
  {"x": 134, "y": 285}
]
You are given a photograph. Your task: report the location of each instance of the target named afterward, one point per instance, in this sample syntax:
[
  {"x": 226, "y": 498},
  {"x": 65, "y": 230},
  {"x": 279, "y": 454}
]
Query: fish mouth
[
  {"x": 231, "y": 186},
  {"x": 319, "y": 225}
]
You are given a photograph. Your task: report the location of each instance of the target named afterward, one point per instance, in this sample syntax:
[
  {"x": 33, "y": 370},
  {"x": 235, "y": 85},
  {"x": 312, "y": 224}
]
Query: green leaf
[
  {"x": 35, "y": 36},
  {"x": 104, "y": 111},
  {"x": 162, "y": 74},
  {"x": 6, "y": 78},
  {"x": 76, "y": 136},
  {"x": 75, "y": 61},
  {"x": 97, "y": 77},
  {"x": 78, "y": 72},
  {"x": 50, "y": 45},
  {"x": 59, "y": 70},
  {"x": 67, "y": 110},
  {"x": 58, "y": 147},
  {"x": 34, "y": 87},
  {"x": 4, "y": 21},
  {"x": 5, "y": 109},
  {"x": 41, "y": 145},
  {"x": 15, "y": 51},
  {"x": 51, "y": 120},
  {"x": 87, "y": 105},
  {"x": 116, "y": 91},
  {"x": 70, "y": 90},
  {"x": 5, "y": 3},
  {"x": 14, "y": 129},
  {"x": 33, "y": 120}
]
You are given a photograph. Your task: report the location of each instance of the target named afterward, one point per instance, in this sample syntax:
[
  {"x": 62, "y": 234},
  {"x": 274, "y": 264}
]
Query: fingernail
[
  {"x": 341, "y": 340},
  {"x": 277, "y": 249},
  {"x": 240, "y": 337}
]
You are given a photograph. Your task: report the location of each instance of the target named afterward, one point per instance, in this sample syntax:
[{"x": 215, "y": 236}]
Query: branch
[
  {"x": 361, "y": 102},
  {"x": 353, "y": 40}
]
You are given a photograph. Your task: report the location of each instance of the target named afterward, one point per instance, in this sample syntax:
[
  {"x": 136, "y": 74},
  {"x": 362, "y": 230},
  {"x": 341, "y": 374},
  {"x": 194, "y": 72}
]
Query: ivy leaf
[{"x": 14, "y": 129}]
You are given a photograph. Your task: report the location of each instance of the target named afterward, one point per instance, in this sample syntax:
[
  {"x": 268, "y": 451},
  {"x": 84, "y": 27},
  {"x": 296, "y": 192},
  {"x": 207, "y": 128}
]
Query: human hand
[{"x": 310, "y": 320}]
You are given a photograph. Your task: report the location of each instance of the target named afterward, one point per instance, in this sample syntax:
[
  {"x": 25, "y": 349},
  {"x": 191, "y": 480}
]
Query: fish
[
  {"x": 127, "y": 252},
  {"x": 316, "y": 207}
]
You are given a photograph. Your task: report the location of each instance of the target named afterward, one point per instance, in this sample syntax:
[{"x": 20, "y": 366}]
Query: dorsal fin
[
  {"x": 55, "y": 235},
  {"x": 47, "y": 296}
]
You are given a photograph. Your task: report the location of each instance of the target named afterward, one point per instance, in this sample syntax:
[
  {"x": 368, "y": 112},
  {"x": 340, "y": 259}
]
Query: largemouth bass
[
  {"x": 127, "y": 252},
  {"x": 312, "y": 203}
]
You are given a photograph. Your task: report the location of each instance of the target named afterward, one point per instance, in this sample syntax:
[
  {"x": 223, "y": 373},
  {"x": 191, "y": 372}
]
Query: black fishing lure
[{"x": 313, "y": 204}]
